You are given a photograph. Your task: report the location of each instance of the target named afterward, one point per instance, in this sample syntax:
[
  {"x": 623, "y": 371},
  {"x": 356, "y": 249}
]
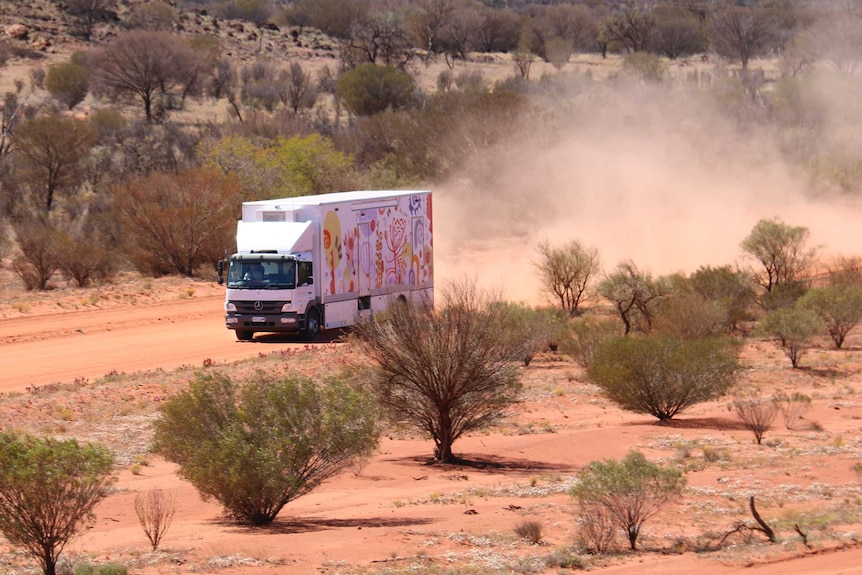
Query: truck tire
[
  {"x": 312, "y": 325},
  {"x": 244, "y": 335}
]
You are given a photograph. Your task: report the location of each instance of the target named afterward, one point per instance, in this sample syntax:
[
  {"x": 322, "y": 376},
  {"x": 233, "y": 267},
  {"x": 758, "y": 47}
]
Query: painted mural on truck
[{"x": 374, "y": 248}]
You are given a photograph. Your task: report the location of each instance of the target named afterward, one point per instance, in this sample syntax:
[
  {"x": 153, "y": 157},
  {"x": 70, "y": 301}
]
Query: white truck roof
[{"x": 333, "y": 198}]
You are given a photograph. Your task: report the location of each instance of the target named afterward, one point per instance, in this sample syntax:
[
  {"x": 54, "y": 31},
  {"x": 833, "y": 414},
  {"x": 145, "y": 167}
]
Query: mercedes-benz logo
[{"x": 258, "y": 305}]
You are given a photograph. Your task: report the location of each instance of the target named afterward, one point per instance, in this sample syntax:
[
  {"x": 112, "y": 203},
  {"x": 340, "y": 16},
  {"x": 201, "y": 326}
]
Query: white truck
[{"x": 319, "y": 262}]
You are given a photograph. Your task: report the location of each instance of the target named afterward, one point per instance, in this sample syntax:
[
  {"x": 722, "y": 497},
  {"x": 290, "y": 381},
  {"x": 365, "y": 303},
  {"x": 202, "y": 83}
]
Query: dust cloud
[{"x": 672, "y": 177}]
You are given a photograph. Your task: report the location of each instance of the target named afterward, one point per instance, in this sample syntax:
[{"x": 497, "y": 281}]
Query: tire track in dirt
[{"x": 63, "y": 347}]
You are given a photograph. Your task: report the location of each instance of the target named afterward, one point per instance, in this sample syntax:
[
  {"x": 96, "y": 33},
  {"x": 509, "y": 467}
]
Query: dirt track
[{"x": 89, "y": 344}]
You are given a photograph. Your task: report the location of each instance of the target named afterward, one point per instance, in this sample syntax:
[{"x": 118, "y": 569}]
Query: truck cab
[{"x": 270, "y": 292}]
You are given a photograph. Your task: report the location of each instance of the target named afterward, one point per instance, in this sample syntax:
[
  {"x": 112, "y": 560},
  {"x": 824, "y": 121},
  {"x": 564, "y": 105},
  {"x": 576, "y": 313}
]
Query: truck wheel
[
  {"x": 244, "y": 335},
  {"x": 312, "y": 325}
]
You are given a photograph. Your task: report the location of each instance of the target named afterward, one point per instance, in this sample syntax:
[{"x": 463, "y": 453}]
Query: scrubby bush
[
  {"x": 585, "y": 335},
  {"x": 369, "y": 89},
  {"x": 729, "y": 287},
  {"x": 68, "y": 83},
  {"x": 630, "y": 491},
  {"x": 838, "y": 306},
  {"x": 756, "y": 413},
  {"x": 39, "y": 256},
  {"x": 444, "y": 369},
  {"x": 793, "y": 407},
  {"x": 177, "y": 222},
  {"x": 48, "y": 489},
  {"x": 663, "y": 375},
  {"x": 257, "y": 446},
  {"x": 793, "y": 329}
]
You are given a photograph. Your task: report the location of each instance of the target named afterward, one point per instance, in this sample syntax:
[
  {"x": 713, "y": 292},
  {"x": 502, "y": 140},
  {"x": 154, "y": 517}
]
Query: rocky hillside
[{"x": 39, "y": 30}]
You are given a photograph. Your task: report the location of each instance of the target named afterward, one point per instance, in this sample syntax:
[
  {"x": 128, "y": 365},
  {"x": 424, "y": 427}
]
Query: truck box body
[{"x": 363, "y": 248}]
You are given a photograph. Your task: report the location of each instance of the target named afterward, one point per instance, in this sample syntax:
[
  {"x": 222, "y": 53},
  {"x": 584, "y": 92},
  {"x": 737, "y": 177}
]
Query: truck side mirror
[{"x": 220, "y": 269}]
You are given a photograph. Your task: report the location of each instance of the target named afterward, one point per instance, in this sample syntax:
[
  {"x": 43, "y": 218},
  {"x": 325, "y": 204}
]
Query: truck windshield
[{"x": 262, "y": 273}]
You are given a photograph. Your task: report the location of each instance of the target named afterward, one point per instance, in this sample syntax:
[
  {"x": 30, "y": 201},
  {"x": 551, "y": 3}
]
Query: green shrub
[
  {"x": 68, "y": 83},
  {"x": 255, "y": 447},
  {"x": 48, "y": 489},
  {"x": 629, "y": 491},
  {"x": 369, "y": 89},
  {"x": 663, "y": 375}
]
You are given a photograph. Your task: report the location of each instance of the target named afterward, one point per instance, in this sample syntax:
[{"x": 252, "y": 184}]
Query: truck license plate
[{"x": 258, "y": 319}]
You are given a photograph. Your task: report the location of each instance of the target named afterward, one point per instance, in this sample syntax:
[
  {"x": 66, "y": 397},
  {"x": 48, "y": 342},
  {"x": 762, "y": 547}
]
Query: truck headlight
[
  {"x": 286, "y": 308},
  {"x": 229, "y": 306}
]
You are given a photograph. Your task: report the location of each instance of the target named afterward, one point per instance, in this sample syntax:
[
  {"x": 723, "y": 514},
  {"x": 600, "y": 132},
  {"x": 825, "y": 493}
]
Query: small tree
[
  {"x": 155, "y": 511},
  {"x": 634, "y": 295},
  {"x": 48, "y": 489},
  {"x": 447, "y": 370},
  {"x": 50, "y": 153},
  {"x": 631, "y": 491},
  {"x": 728, "y": 286},
  {"x": 254, "y": 448},
  {"x": 838, "y": 306},
  {"x": 177, "y": 222},
  {"x": 566, "y": 272},
  {"x": 793, "y": 329},
  {"x": 782, "y": 252},
  {"x": 756, "y": 413},
  {"x": 663, "y": 375}
]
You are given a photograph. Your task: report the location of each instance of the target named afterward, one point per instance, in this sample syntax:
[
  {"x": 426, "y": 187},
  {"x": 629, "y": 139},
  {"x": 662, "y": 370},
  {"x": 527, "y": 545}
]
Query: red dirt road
[{"x": 89, "y": 344}]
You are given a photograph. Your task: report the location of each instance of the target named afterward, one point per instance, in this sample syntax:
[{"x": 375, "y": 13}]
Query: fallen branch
[{"x": 761, "y": 526}]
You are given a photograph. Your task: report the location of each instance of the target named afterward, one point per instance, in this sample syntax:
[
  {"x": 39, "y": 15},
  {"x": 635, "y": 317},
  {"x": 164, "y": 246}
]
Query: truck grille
[{"x": 262, "y": 307}]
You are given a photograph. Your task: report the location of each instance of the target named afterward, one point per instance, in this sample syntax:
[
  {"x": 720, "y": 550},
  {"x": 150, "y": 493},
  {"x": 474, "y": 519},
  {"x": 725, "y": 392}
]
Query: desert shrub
[
  {"x": 254, "y": 11},
  {"x": 729, "y": 287},
  {"x": 531, "y": 531},
  {"x": 645, "y": 66},
  {"x": 444, "y": 369},
  {"x": 584, "y": 336},
  {"x": 838, "y": 306},
  {"x": 663, "y": 375},
  {"x": 793, "y": 328},
  {"x": 152, "y": 16},
  {"x": 68, "y": 83},
  {"x": 89, "y": 253},
  {"x": 368, "y": 89},
  {"x": 155, "y": 511},
  {"x": 756, "y": 413},
  {"x": 690, "y": 316},
  {"x": 257, "y": 446},
  {"x": 793, "y": 407},
  {"x": 177, "y": 222},
  {"x": 531, "y": 330},
  {"x": 630, "y": 491},
  {"x": 48, "y": 489},
  {"x": 596, "y": 528},
  {"x": 39, "y": 256}
]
